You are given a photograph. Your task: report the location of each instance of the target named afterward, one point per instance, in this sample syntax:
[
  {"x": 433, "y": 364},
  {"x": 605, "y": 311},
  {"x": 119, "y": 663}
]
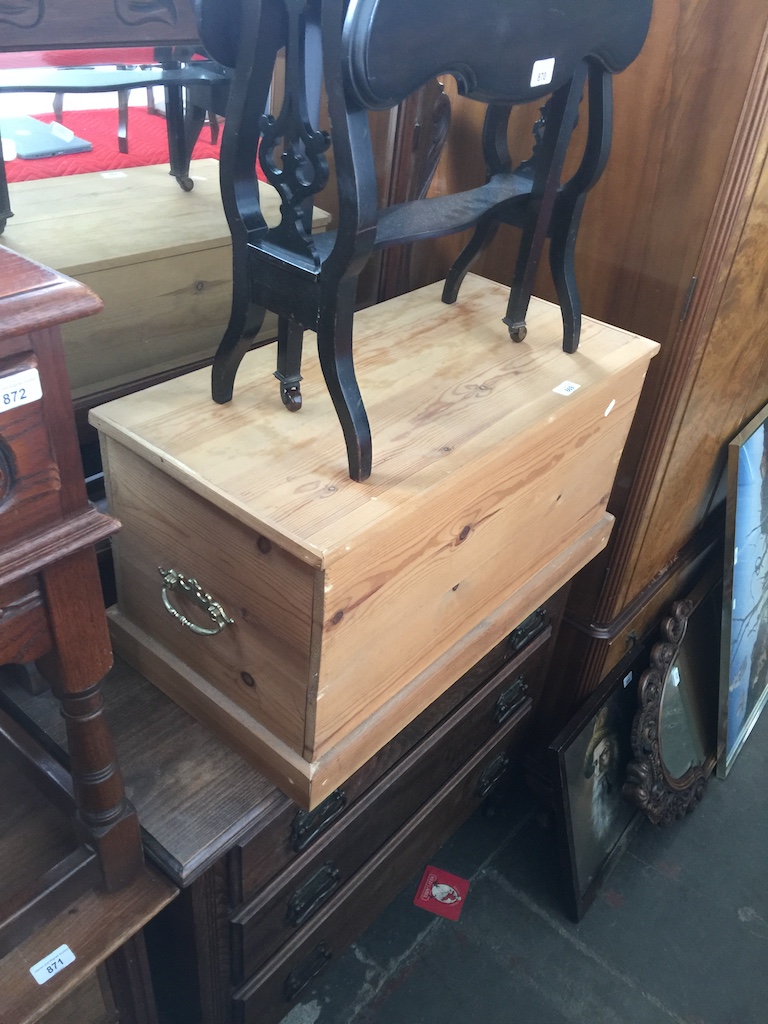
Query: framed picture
[
  {"x": 588, "y": 761},
  {"x": 744, "y": 650}
]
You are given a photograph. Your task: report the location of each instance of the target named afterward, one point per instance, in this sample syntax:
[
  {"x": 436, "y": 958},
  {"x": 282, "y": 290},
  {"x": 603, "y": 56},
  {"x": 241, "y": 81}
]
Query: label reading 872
[{"x": 20, "y": 389}]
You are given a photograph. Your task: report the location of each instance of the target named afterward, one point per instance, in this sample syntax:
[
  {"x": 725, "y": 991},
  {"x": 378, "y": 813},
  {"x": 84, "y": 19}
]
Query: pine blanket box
[{"x": 308, "y": 618}]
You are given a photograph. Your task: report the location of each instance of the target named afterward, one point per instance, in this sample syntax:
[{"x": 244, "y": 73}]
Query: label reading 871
[
  {"x": 50, "y": 965},
  {"x": 20, "y": 389}
]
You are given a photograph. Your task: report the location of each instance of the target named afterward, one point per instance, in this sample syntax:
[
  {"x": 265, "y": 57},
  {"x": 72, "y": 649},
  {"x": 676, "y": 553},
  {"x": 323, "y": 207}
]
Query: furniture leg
[
  {"x": 561, "y": 119},
  {"x": 290, "y": 338},
  {"x": 58, "y": 106},
  {"x": 570, "y": 203},
  {"x": 483, "y": 235},
  {"x": 5, "y": 200},
  {"x": 497, "y": 160},
  {"x": 194, "y": 119},
  {"x": 334, "y": 345},
  {"x": 80, "y": 657},
  {"x": 177, "y": 146},
  {"x": 245, "y": 322},
  {"x": 131, "y": 983},
  {"x": 122, "y": 119}
]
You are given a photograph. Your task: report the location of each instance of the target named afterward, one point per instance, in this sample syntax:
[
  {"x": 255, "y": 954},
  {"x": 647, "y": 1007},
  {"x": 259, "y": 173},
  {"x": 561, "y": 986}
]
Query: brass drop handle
[{"x": 173, "y": 580}]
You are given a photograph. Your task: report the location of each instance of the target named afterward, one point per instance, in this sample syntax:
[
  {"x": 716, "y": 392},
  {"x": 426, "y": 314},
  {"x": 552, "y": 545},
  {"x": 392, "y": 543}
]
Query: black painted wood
[{"x": 373, "y": 55}]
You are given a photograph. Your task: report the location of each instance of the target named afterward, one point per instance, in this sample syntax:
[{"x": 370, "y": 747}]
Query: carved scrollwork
[
  {"x": 22, "y": 13},
  {"x": 302, "y": 170},
  {"x": 141, "y": 12},
  {"x": 649, "y": 785}
]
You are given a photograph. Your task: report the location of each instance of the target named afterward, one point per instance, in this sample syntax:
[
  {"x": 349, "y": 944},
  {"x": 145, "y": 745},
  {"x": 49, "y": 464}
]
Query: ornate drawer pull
[
  {"x": 492, "y": 775},
  {"x": 301, "y": 976},
  {"x": 528, "y": 629},
  {"x": 308, "y": 825},
  {"x": 309, "y": 897},
  {"x": 173, "y": 580},
  {"x": 510, "y": 700}
]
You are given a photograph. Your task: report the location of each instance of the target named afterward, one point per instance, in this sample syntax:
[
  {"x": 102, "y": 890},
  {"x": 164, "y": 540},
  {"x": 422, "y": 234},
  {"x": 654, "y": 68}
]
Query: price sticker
[
  {"x": 566, "y": 388},
  {"x": 20, "y": 389},
  {"x": 543, "y": 72},
  {"x": 50, "y": 965}
]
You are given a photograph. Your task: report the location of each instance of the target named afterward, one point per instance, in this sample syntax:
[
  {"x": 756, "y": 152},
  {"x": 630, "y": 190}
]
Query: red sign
[{"x": 441, "y": 893}]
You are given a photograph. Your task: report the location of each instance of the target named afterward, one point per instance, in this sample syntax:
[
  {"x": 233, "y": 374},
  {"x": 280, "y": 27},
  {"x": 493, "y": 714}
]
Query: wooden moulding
[
  {"x": 308, "y": 783},
  {"x": 490, "y": 469}
]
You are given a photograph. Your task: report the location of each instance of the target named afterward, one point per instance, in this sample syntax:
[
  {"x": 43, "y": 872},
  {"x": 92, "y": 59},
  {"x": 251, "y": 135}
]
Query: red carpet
[{"x": 147, "y": 144}]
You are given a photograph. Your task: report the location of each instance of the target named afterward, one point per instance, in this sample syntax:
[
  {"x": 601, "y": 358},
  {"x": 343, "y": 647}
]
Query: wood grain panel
[{"x": 263, "y": 660}]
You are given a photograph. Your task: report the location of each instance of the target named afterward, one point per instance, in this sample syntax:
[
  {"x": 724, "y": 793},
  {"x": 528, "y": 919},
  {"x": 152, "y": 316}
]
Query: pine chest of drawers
[{"x": 335, "y": 612}]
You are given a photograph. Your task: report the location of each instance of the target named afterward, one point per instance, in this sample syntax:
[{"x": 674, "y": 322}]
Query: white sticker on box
[
  {"x": 566, "y": 388},
  {"x": 543, "y": 72},
  {"x": 20, "y": 389},
  {"x": 50, "y": 965}
]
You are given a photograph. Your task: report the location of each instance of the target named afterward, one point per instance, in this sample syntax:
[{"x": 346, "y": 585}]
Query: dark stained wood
[
  {"x": 93, "y": 926},
  {"x": 47, "y": 528},
  {"x": 263, "y": 998},
  {"x": 261, "y": 853},
  {"x": 260, "y": 927},
  {"x": 23, "y": 622},
  {"x": 196, "y": 796},
  {"x": 130, "y": 983},
  {"x": 34, "y": 297}
]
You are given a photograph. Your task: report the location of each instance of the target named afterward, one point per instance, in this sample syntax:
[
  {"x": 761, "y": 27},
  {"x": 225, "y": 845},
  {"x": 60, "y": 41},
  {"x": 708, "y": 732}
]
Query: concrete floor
[{"x": 679, "y": 932}]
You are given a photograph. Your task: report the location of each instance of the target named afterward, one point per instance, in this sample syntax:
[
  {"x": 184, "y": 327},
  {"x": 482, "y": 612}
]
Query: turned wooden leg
[{"x": 80, "y": 657}]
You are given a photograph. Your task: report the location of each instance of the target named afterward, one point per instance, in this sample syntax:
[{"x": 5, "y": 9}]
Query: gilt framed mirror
[{"x": 674, "y": 734}]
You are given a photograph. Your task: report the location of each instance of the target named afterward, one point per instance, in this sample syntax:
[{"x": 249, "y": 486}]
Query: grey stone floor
[{"x": 678, "y": 935}]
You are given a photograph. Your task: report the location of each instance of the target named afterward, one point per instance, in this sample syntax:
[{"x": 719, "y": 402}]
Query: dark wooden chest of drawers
[{"x": 273, "y": 893}]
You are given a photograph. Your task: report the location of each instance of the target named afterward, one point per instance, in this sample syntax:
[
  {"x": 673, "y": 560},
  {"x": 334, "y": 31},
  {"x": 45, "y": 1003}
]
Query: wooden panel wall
[{"x": 684, "y": 197}]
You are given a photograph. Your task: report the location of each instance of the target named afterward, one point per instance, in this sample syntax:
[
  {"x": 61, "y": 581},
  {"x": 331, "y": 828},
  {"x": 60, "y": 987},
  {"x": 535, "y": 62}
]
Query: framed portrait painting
[
  {"x": 588, "y": 761},
  {"x": 744, "y": 648}
]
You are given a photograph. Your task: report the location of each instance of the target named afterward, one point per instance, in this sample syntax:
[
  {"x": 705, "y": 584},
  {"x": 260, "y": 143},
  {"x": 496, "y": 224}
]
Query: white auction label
[
  {"x": 20, "y": 389},
  {"x": 50, "y": 965},
  {"x": 543, "y": 71},
  {"x": 566, "y": 388}
]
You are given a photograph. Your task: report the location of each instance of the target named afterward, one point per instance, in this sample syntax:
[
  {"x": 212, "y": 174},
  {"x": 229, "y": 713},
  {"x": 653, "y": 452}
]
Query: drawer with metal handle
[
  {"x": 261, "y": 926},
  {"x": 266, "y": 851},
  {"x": 269, "y": 994}
]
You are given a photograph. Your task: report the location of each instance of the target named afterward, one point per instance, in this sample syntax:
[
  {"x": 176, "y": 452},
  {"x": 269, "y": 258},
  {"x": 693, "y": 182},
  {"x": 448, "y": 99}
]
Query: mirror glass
[{"x": 689, "y": 700}]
